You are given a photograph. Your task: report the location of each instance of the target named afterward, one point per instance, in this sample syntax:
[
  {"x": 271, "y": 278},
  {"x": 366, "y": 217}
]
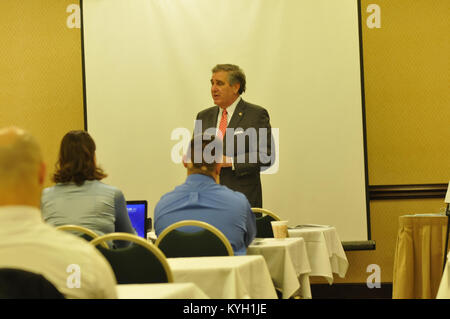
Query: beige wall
[
  {"x": 406, "y": 67},
  {"x": 41, "y": 81},
  {"x": 407, "y": 76}
]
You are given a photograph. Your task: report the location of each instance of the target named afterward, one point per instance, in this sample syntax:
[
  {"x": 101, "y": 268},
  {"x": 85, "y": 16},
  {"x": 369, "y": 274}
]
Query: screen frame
[
  {"x": 145, "y": 203},
  {"x": 368, "y": 244}
]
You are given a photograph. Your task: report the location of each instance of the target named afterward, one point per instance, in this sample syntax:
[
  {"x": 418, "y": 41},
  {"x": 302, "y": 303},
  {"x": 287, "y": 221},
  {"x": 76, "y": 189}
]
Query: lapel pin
[{"x": 240, "y": 113}]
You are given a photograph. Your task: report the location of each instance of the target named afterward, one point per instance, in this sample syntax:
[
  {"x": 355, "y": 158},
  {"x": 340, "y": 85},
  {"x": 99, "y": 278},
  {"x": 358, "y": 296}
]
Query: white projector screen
[{"x": 148, "y": 69}]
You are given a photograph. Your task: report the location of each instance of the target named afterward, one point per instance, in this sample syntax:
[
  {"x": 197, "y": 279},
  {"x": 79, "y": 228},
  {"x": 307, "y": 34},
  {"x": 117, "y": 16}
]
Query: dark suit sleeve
[{"x": 257, "y": 155}]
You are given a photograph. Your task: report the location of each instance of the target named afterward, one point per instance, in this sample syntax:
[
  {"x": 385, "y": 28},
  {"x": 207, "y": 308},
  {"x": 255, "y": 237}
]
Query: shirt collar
[
  {"x": 200, "y": 178},
  {"x": 230, "y": 111},
  {"x": 20, "y": 214},
  {"x": 232, "y": 107}
]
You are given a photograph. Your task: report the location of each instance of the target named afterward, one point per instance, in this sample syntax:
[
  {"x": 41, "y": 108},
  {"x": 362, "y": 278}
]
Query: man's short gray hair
[{"x": 235, "y": 74}]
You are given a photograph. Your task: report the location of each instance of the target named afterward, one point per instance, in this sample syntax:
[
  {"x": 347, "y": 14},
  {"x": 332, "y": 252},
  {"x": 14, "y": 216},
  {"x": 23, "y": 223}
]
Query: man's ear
[
  {"x": 217, "y": 172},
  {"x": 236, "y": 86},
  {"x": 186, "y": 162},
  {"x": 42, "y": 172},
  {"x": 218, "y": 168}
]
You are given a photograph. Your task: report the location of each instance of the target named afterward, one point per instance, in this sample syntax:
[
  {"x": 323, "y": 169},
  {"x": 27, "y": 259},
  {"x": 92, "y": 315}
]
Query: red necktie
[{"x": 223, "y": 125}]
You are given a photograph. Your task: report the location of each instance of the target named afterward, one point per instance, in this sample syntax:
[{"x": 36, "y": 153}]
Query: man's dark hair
[{"x": 205, "y": 152}]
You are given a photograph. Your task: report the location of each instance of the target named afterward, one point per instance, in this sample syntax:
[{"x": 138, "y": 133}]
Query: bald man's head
[{"x": 21, "y": 165}]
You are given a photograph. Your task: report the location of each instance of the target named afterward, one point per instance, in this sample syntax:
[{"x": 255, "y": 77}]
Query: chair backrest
[
  {"x": 263, "y": 219},
  {"x": 141, "y": 262},
  {"x": 207, "y": 241},
  {"x": 85, "y": 232},
  {"x": 22, "y": 284}
]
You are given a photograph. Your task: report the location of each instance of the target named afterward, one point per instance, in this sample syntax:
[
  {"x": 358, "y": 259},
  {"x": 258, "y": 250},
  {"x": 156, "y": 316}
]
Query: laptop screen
[{"x": 137, "y": 210}]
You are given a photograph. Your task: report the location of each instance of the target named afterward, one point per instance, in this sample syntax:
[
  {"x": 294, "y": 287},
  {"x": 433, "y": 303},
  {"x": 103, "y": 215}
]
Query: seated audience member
[
  {"x": 202, "y": 198},
  {"x": 71, "y": 264},
  {"x": 79, "y": 198}
]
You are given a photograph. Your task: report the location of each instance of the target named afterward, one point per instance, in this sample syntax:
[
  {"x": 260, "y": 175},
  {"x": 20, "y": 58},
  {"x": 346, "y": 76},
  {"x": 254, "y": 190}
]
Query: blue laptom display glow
[{"x": 137, "y": 218}]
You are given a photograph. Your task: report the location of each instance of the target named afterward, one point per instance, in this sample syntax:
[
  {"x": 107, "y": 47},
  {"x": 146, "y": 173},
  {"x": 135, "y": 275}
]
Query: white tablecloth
[
  {"x": 288, "y": 264},
  {"x": 160, "y": 291},
  {"x": 325, "y": 252},
  {"x": 227, "y": 277},
  {"x": 151, "y": 237}
]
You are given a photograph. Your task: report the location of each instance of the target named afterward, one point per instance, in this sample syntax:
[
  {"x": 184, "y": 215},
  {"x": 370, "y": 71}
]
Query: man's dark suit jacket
[{"x": 248, "y": 155}]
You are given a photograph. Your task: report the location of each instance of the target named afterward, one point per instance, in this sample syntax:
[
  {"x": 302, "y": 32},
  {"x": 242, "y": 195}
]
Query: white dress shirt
[
  {"x": 27, "y": 243},
  {"x": 230, "y": 111}
]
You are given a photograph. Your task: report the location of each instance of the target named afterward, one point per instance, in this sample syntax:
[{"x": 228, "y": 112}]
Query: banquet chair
[
  {"x": 139, "y": 263},
  {"x": 206, "y": 241},
  {"x": 22, "y": 284},
  {"x": 263, "y": 219},
  {"x": 86, "y": 233}
]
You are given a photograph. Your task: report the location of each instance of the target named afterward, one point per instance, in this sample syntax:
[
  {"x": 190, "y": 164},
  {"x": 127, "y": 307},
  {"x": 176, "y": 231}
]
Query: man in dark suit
[{"x": 245, "y": 129}]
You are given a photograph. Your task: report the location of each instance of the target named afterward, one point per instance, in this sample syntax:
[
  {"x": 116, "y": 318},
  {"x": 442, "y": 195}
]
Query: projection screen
[{"x": 147, "y": 74}]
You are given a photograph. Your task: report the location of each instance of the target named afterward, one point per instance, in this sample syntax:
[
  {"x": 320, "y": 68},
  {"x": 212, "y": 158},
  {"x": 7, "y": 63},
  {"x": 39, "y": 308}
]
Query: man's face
[{"x": 222, "y": 92}]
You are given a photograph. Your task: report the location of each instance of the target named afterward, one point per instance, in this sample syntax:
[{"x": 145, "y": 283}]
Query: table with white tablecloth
[
  {"x": 326, "y": 256},
  {"x": 288, "y": 264},
  {"x": 151, "y": 237},
  {"x": 226, "y": 277},
  {"x": 160, "y": 291},
  {"x": 325, "y": 251}
]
